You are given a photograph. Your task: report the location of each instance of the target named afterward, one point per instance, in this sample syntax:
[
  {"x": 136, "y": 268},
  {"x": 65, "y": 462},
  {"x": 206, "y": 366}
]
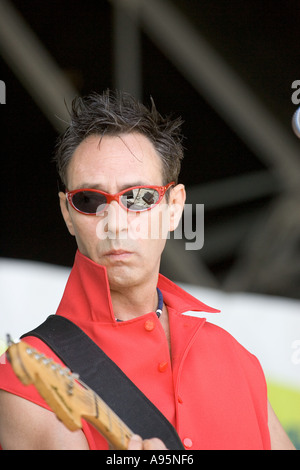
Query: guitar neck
[
  {"x": 69, "y": 398},
  {"x": 105, "y": 420}
]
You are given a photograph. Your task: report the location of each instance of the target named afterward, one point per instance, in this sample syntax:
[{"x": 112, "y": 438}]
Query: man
[{"x": 119, "y": 163}]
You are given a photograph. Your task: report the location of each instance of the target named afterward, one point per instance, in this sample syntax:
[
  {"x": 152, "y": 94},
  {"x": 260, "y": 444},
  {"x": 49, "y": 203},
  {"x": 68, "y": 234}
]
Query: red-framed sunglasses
[{"x": 136, "y": 199}]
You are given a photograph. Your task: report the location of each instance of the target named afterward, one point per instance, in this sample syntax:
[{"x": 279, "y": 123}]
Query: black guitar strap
[{"x": 81, "y": 355}]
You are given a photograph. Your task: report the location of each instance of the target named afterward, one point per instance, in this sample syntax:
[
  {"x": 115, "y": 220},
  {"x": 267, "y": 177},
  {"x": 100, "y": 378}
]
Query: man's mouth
[{"x": 118, "y": 254}]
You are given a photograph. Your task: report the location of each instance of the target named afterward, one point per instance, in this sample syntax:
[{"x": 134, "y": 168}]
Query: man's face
[{"x": 120, "y": 240}]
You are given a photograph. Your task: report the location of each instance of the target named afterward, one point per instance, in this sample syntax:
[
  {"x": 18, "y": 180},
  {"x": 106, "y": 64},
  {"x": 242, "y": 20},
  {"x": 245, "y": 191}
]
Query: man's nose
[{"x": 115, "y": 220}]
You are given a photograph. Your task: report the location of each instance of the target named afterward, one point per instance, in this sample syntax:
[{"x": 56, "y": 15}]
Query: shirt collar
[
  {"x": 180, "y": 300},
  {"x": 87, "y": 294}
]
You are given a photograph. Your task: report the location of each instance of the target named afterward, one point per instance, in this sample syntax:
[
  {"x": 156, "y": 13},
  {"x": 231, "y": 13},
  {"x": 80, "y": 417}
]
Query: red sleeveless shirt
[{"x": 211, "y": 389}]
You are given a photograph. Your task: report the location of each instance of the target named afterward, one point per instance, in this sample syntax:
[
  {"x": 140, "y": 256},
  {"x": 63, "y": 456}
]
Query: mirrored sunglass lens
[
  {"x": 140, "y": 198},
  {"x": 89, "y": 202}
]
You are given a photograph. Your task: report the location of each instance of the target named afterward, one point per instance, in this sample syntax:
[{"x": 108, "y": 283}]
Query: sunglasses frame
[{"x": 117, "y": 197}]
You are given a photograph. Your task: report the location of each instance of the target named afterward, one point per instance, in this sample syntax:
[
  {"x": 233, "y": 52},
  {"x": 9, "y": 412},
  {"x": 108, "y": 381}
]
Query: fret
[
  {"x": 109, "y": 424},
  {"x": 109, "y": 418},
  {"x": 98, "y": 413},
  {"x": 96, "y": 405}
]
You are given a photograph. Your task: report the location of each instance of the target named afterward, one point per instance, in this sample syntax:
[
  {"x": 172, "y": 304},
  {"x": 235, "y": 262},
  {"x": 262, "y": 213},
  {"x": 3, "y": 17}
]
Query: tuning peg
[
  {"x": 9, "y": 341},
  {"x": 38, "y": 356},
  {"x": 46, "y": 361},
  {"x": 70, "y": 385}
]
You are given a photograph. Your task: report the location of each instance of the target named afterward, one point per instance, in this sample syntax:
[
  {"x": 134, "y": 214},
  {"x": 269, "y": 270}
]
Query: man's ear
[
  {"x": 177, "y": 199},
  {"x": 65, "y": 212}
]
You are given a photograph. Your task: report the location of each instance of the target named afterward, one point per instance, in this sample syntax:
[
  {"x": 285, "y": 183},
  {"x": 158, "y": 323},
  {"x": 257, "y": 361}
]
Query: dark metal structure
[{"x": 226, "y": 67}]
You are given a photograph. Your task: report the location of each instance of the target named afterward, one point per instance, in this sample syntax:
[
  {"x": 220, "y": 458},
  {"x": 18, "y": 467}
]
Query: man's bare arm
[
  {"x": 27, "y": 426},
  {"x": 279, "y": 438},
  {"x": 24, "y": 425}
]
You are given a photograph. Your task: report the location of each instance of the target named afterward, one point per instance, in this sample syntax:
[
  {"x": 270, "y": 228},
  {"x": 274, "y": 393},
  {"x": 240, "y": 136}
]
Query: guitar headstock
[
  {"x": 68, "y": 397},
  {"x": 56, "y": 384}
]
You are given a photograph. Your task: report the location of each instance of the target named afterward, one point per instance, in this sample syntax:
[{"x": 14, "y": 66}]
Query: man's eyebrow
[
  {"x": 90, "y": 186},
  {"x": 121, "y": 188}
]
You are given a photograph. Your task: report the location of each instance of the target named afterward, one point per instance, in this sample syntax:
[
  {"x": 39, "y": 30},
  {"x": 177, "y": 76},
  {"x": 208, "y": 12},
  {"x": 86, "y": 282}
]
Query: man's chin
[{"x": 120, "y": 278}]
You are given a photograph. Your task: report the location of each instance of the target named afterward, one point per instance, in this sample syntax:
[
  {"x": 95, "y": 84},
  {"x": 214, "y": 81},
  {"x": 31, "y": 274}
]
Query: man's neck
[
  {"x": 129, "y": 305},
  {"x": 134, "y": 302}
]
